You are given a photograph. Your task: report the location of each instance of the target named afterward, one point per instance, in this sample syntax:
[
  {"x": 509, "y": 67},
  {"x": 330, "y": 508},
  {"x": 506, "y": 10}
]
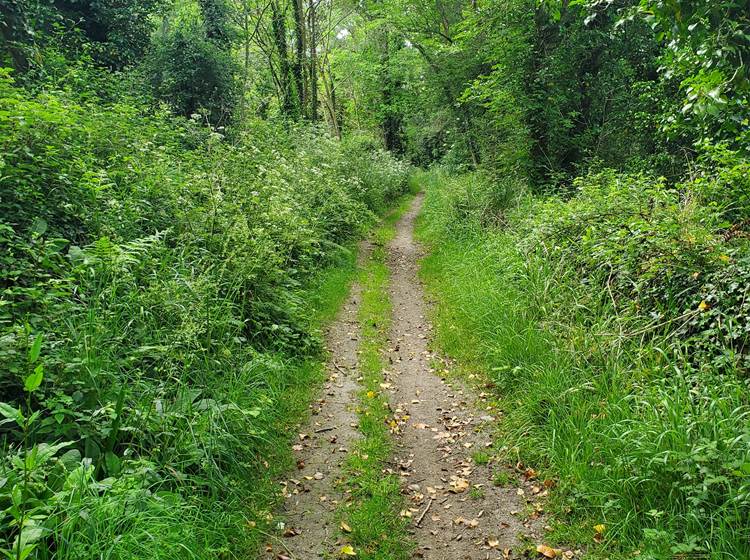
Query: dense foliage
[
  {"x": 605, "y": 220},
  {"x": 166, "y": 264},
  {"x": 605, "y": 217},
  {"x": 614, "y": 326},
  {"x": 156, "y": 285},
  {"x": 179, "y": 183}
]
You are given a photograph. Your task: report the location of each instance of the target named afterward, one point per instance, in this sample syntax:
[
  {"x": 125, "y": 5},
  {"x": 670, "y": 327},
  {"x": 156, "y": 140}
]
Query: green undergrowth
[
  {"x": 620, "y": 371},
  {"x": 162, "y": 289},
  {"x": 377, "y": 531}
]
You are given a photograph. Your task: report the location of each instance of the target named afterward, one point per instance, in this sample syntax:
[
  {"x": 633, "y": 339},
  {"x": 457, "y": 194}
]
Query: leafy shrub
[
  {"x": 192, "y": 73},
  {"x": 169, "y": 273}
]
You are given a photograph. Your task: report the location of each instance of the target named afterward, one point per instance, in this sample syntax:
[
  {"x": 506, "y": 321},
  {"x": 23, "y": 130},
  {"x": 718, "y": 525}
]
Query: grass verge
[
  {"x": 325, "y": 294},
  {"x": 646, "y": 450}
]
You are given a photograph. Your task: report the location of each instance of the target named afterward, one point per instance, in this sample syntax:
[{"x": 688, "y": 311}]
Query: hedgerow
[{"x": 613, "y": 324}]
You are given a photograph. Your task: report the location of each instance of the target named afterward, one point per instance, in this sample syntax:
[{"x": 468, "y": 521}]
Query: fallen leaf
[
  {"x": 345, "y": 527},
  {"x": 546, "y": 551},
  {"x": 347, "y": 550},
  {"x": 291, "y": 532},
  {"x": 458, "y": 484}
]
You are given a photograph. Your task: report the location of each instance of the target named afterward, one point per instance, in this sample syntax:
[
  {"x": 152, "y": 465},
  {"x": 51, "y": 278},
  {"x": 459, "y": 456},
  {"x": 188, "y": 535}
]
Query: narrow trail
[
  {"x": 312, "y": 493},
  {"x": 467, "y": 517},
  {"x": 457, "y": 513}
]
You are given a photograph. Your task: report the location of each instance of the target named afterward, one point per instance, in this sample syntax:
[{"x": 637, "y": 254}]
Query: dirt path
[
  {"x": 457, "y": 513},
  {"x": 312, "y": 495},
  {"x": 467, "y": 516}
]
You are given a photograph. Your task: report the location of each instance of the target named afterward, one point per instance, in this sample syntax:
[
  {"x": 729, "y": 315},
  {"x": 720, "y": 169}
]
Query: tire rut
[
  {"x": 457, "y": 512},
  {"x": 313, "y": 494}
]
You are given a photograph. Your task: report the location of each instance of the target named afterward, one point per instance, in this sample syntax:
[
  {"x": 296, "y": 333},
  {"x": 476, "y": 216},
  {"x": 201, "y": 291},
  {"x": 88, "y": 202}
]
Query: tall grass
[{"x": 643, "y": 438}]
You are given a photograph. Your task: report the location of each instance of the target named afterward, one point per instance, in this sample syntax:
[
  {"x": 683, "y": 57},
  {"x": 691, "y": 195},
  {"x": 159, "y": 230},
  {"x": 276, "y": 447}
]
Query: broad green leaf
[
  {"x": 112, "y": 463},
  {"x": 70, "y": 459},
  {"x": 33, "y": 380},
  {"x": 39, "y": 226},
  {"x": 26, "y": 551},
  {"x": 31, "y": 534},
  {"x": 11, "y": 413},
  {"x": 47, "y": 451},
  {"x": 36, "y": 348}
]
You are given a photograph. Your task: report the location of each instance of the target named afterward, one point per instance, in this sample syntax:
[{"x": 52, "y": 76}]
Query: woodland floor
[{"x": 456, "y": 509}]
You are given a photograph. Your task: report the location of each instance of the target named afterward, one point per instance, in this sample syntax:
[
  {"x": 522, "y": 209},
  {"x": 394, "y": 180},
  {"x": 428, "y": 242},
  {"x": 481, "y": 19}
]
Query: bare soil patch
[{"x": 312, "y": 493}]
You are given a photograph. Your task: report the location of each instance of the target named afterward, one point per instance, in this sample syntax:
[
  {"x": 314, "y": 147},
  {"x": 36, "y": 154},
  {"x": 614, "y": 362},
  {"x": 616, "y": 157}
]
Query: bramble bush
[{"x": 162, "y": 288}]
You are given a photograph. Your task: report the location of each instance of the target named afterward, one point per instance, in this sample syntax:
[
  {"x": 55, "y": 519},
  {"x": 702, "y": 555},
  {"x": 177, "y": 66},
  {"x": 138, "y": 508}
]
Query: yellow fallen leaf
[
  {"x": 703, "y": 305},
  {"x": 546, "y": 551},
  {"x": 347, "y": 550},
  {"x": 600, "y": 528},
  {"x": 345, "y": 527}
]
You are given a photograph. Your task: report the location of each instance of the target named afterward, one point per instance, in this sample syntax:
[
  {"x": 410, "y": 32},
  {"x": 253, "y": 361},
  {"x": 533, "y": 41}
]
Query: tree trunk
[
  {"x": 391, "y": 124},
  {"x": 13, "y": 31},
  {"x": 330, "y": 102},
  {"x": 299, "y": 61},
  {"x": 313, "y": 79},
  {"x": 279, "y": 35}
]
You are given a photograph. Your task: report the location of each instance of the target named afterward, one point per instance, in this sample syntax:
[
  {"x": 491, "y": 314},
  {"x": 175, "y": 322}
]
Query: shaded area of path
[{"x": 457, "y": 513}]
